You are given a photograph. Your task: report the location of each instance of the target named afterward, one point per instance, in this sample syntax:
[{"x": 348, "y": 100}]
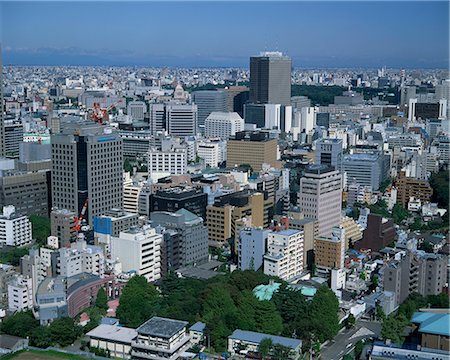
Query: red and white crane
[
  {"x": 101, "y": 114},
  {"x": 79, "y": 219}
]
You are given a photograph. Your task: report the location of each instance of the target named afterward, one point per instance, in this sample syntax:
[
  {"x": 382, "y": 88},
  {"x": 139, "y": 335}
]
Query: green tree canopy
[
  {"x": 40, "y": 227},
  {"x": 102, "y": 300},
  {"x": 20, "y": 324}
]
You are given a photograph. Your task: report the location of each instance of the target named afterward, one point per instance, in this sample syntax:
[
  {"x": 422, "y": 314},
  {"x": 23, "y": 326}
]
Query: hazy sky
[{"x": 314, "y": 34}]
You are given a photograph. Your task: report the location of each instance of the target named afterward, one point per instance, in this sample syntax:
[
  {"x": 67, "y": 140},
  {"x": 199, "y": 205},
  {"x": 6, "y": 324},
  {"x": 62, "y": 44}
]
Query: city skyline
[{"x": 190, "y": 34}]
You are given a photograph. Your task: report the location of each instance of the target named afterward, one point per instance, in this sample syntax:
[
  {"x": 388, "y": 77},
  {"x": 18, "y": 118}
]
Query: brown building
[
  {"x": 408, "y": 187},
  {"x": 62, "y": 221},
  {"x": 253, "y": 149},
  {"x": 379, "y": 233},
  {"x": 224, "y": 216},
  {"x": 330, "y": 251},
  {"x": 432, "y": 329}
]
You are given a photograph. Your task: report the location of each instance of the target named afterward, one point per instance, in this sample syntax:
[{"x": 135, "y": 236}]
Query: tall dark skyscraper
[
  {"x": 270, "y": 79},
  {"x": 2, "y": 115}
]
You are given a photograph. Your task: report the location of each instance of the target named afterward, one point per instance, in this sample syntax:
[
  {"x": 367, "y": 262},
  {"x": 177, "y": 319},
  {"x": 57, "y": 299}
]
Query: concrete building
[
  {"x": 137, "y": 110},
  {"x": 87, "y": 163},
  {"x": 139, "y": 251},
  {"x": 182, "y": 120},
  {"x": 353, "y": 231},
  {"x": 366, "y": 169},
  {"x": 15, "y": 229},
  {"x": 329, "y": 152},
  {"x": 157, "y": 118},
  {"x": 62, "y": 222},
  {"x": 284, "y": 256},
  {"x": 209, "y": 101},
  {"x": 161, "y": 338},
  {"x": 270, "y": 78},
  {"x": 13, "y": 136},
  {"x": 131, "y": 191},
  {"x": 320, "y": 197},
  {"x": 408, "y": 187},
  {"x": 79, "y": 258},
  {"x": 20, "y": 294},
  {"x": 253, "y": 149},
  {"x": 379, "y": 233},
  {"x": 113, "y": 221},
  {"x": 186, "y": 241},
  {"x": 432, "y": 330},
  {"x": 251, "y": 248},
  {"x": 223, "y": 124},
  {"x": 115, "y": 339},
  {"x": 297, "y": 221},
  {"x": 171, "y": 161},
  {"x": 330, "y": 251},
  {"x": 223, "y": 216},
  {"x": 210, "y": 152}
]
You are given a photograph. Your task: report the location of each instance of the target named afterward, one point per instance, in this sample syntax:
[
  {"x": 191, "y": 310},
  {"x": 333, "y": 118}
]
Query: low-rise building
[
  {"x": 330, "y": 251},
  {"x": 20, "y": 294},
  {"x": 15, "y": 229},
  {"x": 115, "y": 339}
]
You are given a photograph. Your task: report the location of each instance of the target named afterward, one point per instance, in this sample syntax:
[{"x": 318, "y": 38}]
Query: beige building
[
  {"x": 62, "y": 221},
  {"x": 330, "y": 251},
  {"x": 253, "y": 149},
  {"x": 115, "y": 339},
  {"x": 353, "y": 232},
  {"x": 297, "y": 221},
  {"x": 224, "y": 217}
]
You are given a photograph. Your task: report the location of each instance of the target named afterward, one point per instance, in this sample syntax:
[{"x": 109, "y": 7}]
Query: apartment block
[
  {"x": 15, "y": 229},
  {"x": 330, "y": 251}
]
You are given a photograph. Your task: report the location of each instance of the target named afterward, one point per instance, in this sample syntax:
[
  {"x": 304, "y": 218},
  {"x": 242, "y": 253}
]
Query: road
[{"x": 345, "y": 341}]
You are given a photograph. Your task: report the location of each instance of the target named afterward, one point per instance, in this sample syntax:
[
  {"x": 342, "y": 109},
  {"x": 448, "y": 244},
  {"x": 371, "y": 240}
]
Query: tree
[
  {"x": 324, "y": 314},
  {"x": 399, "y": 213},
  {"x": 281, "y": 352},
  {"x": 102, "y": 300},
  {"x": 41, "y": 337},
  {"x": 138, "y": 302},
  {"x": 20, "y": 324},
  {"x": 40, "y": 227},
  {"x": 64, "y": 331},
  {"x": 392, "y": 328},
  {"x": 440, "y": 184},
  {"x": 267, "y": 319},
  {"x": 127, "y": 167},
  {"x": 359, "y": 347},
  {"x": 379, "y": 313},
  {"x": 350, "y": 321},
  {"x": 264, "y": 347}
]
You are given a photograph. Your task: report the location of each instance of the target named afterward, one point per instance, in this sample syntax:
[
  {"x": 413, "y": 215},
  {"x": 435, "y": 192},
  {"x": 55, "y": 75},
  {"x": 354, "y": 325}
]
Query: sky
[{"x": 408, "y": 34}]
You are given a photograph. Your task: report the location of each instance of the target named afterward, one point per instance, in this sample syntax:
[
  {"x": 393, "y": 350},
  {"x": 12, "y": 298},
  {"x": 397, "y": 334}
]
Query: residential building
[
  {"x": 131, "y": 191},
  {"x": 379, "y": 233},
  {"x": 353, "y": 231},
  {"x": 330, "y": 251},
  {"x": 20, "y": 294},
  {"x": 87, "y": 164},
  {"x": 182, "y": 120},
  {"x": 320, "y": 197},
  {"x": 209, "y": 101},
  {"x": 250, "y": 341},
  {"x": 251, "y": 248},
  {"x": 270, "y": 78},
  {"x": 253, "y": 149},
  {"x": 284, "y": 256},
  {"x": 161, "y": 338},
  {"x": 223, "y": 125},
  {"x": 15, "y": 229},
  {"x": 297, "y": 221},
  {"x": 408, "y": 187},
  {"x": 139, "y": 251}
]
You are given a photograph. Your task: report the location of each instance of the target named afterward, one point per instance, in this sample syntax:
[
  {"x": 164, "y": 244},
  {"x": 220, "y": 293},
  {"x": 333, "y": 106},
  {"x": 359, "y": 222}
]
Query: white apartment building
[
  {"x": 172, "y": 161},
  {"x": 81, "y": 258},
  {"x": 284, "y": 257},
  {"x": 320, "y": 197},
  {"x": 15, "y": 230},
  {"x": 139, "y": 251},
  {"x": 210, "y": 152},
  {"x": 131, "y": 193},
  {"x": 20, "y": 294},
  {"x": 223, "y": 124}
]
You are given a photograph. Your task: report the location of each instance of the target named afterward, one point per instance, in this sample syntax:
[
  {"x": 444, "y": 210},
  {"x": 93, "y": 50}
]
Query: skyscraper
[
  {"x": 208, "y": 101},
  {"x": 87, "y": 161},
  {"x": 270, "y": 78},
  {"x": 2, "y": 115}
]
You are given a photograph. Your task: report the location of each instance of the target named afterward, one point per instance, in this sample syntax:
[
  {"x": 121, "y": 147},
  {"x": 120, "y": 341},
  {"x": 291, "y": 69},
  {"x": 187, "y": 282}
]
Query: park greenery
[
  {"x": 226, "y": 303},
  {"x": 40, "y": 227},
  {"x": 440, "y": 184}
]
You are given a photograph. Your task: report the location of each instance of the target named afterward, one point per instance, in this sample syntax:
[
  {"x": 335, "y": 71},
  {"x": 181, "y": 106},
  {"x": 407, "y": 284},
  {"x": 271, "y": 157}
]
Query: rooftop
[
  {"x": 432, "y": 323},
  {"x": 255, "y": 338},
  {"x": 113, "y": 332},
  {"x": 265, "y": 292},
  {"x": 161, "y": 327}
]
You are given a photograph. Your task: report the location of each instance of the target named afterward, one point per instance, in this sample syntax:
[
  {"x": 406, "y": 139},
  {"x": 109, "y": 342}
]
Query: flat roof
[
  {"x": 113, "y": 332},
  {"x": 161, "y": 327},
  {"x": 255, "y": 338},
  {"x": 432, "y": 323}
]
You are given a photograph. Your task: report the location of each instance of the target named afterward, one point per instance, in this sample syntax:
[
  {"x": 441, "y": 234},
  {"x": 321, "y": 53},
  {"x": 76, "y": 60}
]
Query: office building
[
  {"x": 139, "y": 251},
  {"x": 131, "y": 191},
  {"x": 13, "y": 136},
  {"x": 352, "y": 233},
  {"x": 270, "y": 78},
  {"x": 284, "y": 256},
  {"x": 415, "y": 272},
  {"x": 223, "y": 124},
  {"x": 62, "y": 222},
  {"x": 157, "y": 118},
  {"x": 161, "y": 338},
  {"x": 368, "y": 169},
  {"x": 223, "y": 215},
  {"x": 297, "y": 221},
  {"x": 237, "y": 97},
  {"x": 211, "y": 152},
  {"x": 320, "y": 197},
  {"x": 209, "y": 101},
  {"x": 433, "y": 334},
  {"x": 87, "y": 164},
  {"x": 329, "y": 251},
  {"x": 269, "y": 116},
  {"x": 2, "y": 113},
  {"x": 137, "y": 110},
  {"x": 329, "y": 152},
  {"x": 176, "y": 198},
  {"x": 182, "y": 120},
  {"x": 251, "y": 248},
  {"x": 112, "y": 222},
  {"x": 136, "y": 144},
  {"x": 15, "y": 229},
  {"x": 253, "y": 149},
  {"x": 170, "y": 161},
  {"x": 379, "y": 233},
  {"x": 185, "y": 238},
  {"x": 20, "y": 294}
]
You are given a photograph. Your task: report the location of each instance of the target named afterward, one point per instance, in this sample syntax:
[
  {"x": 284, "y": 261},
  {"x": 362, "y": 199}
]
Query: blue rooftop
[
  {"x": 255, "y": 338},
  {"x": 288, "y": 232},
  {"x": 432, "y": 323},
  {"x": 265, "y": 292},
  {"x": 198, "y": 326}
]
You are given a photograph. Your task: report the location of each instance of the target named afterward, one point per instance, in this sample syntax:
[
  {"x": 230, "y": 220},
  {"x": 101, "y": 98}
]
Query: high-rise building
[
  {"x": 172, "y": 160},
  {"x": 270, "y": 78},
  {"x": 15, "y": 229},
  {"x": 13, "y": 136},
  {"x": 379, "y": 233},
  {"x": 2, "y": 112},
  {"x": 20, "y": 294},
  {"x": 62, "y": 222},
  {"x": 253, "y": 149},
  {"x": 182, "y": 120},
  {"x": 87, "y": 162},
  {"x": 329, "y": 251},
  {"x": 320, "y": 197},
  {"x": 408, "y": 187},
  {"x": 251, "y": 248},
  {"x": 157, "y": 118},
  {"x": 329, "y": 152},
  {"x": 366, "y": 169},
  {"x": 284, "y": 257},
  {"x": 209, "y": 101},
  {"x": 223, "y": 124},
  {"x": 137, "y": 110}
]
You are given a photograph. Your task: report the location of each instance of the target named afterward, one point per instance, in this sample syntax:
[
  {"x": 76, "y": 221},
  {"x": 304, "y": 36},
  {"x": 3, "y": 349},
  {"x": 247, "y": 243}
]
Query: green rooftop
[{"x": 265, "y": 292}]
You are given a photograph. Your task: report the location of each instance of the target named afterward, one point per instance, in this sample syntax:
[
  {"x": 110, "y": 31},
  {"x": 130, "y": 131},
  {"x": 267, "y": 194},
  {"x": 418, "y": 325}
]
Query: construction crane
[
  {"x": 101, "y": 114},
  {"x": 79, "y": 219}
]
